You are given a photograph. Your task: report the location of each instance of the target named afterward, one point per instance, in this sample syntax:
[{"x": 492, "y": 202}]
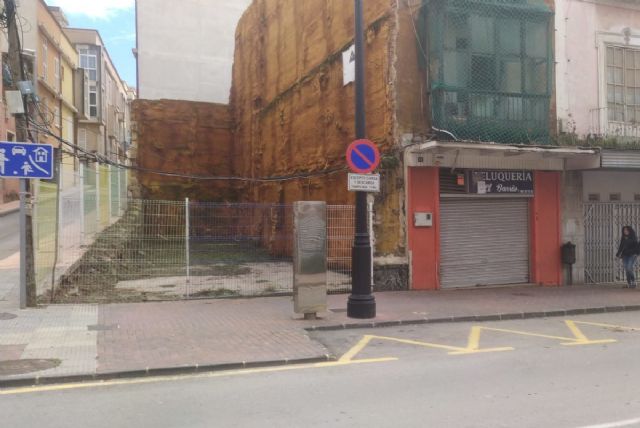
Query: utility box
[
  {"x": 569, "y": 253},
  {"x": 423, "y": 219},
  {"x": 310, "y": 258}
]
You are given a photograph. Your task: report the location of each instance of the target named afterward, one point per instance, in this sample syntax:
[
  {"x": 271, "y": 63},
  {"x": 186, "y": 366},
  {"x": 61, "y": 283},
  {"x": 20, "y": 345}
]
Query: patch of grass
[
  {"x": 269, "y": 289},
  {"x": 217, "y": 292},
  {"x": 220, "y": 270},
  {"x": 228, "y": 252}
]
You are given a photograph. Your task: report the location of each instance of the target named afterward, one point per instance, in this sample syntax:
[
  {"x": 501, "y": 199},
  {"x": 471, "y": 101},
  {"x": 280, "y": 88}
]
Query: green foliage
[{"x": 616, "y": 143}]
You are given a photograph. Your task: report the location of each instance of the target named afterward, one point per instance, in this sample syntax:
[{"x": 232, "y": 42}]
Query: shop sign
[{"x": 499, "y": 182}]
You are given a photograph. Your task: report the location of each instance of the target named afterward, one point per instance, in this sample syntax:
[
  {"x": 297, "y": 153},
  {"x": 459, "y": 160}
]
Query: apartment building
[
  {"x": 193, "y": 61},
  {"x": 598, "y": 104},
  {"x": 101, "y": 122},
  {"x": 56, "y": 63}
]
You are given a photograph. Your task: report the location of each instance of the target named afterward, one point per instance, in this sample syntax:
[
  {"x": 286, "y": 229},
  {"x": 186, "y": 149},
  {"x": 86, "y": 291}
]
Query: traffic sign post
[
  {"x": 361, "y": 303},
  {"x": 26, "y": 160}
]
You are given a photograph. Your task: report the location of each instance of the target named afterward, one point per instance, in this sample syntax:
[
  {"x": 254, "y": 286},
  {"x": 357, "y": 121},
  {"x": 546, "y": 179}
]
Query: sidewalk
[
  {"x": 73, "y": 342},
  {"x": 9, "y": 208}
]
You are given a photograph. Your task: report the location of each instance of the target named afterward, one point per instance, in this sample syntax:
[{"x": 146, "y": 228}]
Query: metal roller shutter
[{"x": 484, "y": 242}]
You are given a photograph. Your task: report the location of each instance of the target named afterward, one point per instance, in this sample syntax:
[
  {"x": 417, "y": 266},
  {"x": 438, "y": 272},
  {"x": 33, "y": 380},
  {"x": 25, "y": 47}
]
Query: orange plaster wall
[
  {"x": 424, "y": 242},
  {"x": 546, "y": 265}
]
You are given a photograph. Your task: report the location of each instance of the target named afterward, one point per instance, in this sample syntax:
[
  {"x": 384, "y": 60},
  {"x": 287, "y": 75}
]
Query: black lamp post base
[{"x": 361, "y": 306}]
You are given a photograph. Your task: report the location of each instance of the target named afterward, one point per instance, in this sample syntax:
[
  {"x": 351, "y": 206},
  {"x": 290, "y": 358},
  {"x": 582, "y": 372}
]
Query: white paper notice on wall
[
  {"x": 482, "y": 187},
  {"x": 349, "y": 65}
]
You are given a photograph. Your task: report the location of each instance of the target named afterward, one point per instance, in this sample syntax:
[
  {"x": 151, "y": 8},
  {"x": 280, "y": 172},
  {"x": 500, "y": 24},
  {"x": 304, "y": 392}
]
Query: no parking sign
[{"x": 363, "y": 156}]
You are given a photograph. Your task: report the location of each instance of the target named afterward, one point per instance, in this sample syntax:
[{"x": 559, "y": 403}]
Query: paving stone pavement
[
  {"x": 205, "y": 332},
  {"x": 50, "y": 333},
  {"x": 57, "y": 333},
  {"x": 105, "y": 339},
  {"x": 9, "y": 281}
]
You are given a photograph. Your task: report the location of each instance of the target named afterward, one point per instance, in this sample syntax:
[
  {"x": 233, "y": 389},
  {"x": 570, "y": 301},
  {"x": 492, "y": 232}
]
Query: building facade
[
  {"x": 598, "y": 102},
  {"x": 185, "y": 49},
  {"x": 104, "y": 100},
  {"x": 461, "y": 101},
  {"x": 79, "y": 96},
  {"x": 56, "y": 63}
]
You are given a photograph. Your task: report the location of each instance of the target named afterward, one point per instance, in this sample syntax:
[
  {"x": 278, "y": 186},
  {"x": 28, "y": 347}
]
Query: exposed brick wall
[
  {"x": 294, "y": 115},
  {"x": 186, "y": 138}
]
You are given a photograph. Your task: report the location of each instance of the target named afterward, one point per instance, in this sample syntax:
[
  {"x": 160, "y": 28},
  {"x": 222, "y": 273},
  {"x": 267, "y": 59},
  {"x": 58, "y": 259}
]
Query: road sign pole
[
  {"x": 361, "y": 303},
  {"x": 23, "y": 243}
]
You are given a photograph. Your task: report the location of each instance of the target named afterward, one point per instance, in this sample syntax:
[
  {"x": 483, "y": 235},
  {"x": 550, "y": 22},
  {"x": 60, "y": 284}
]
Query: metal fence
[
  {"x": 68, "y": 220},
  {"x": 168, "y": 250},
  {"x": 603, "y": 228}
]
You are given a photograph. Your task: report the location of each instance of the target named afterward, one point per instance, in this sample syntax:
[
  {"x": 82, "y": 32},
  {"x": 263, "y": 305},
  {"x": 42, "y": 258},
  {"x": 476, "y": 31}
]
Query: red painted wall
[
  {"x": 424, "y": 242},
  {"x": 546, "y": 265}
]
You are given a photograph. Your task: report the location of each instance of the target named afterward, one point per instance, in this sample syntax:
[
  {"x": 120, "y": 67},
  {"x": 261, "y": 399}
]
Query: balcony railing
[
  {"x": 603, "y": 125},
  {"x": 492, "y": 116}
]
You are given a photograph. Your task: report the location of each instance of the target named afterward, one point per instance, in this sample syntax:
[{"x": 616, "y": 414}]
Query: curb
[
  {"x": 157, "y": 372},
  {"x": 476, "y": 318},
  {"x": 9, "y": 212},
  {"x": 195, "y": 369}
]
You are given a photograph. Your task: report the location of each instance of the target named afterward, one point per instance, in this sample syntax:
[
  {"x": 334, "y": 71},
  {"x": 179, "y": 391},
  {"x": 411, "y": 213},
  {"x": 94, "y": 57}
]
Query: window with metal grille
[
  {"x": 490, "y": 68},
  {"x": 594, "y": 197},
  {"x": 623, "y": 84}
]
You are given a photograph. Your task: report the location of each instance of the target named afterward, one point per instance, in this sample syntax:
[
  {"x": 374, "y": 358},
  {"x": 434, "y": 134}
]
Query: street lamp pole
[{"x": 361, "y": 303}]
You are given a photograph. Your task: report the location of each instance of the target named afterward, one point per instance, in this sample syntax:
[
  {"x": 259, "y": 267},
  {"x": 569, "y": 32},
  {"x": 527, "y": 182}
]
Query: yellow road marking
[
  {"x": 581, "y": 339},
  {"x": 418, "y": 343},
  {"x": 141, "y": 381},
  {"x": 348, "y": 356},
  {"x": 578, "y": 338},
  {"x": 597, "y": 324},
  {"x": 473, "y": 344},
  {"x": 472, "y": 347},
  {"x": 576, "y": 331}
]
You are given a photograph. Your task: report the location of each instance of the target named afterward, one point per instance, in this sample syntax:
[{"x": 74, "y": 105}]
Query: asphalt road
[
  {"x": 553, "y": 375},
  {"x": 9, "y": 235}
]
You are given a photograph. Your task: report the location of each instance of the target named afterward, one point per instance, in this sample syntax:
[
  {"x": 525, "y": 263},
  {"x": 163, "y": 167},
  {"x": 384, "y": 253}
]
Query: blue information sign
[{"x": 26, "y": 160}]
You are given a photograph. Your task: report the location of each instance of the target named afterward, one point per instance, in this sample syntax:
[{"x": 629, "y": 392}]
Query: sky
[{"x": 116, "y": 22}]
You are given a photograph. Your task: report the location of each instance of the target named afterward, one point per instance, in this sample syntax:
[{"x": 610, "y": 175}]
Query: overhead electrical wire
[
  {"x": 33, "y": 126},
  {"x": 95, "y": 157}
]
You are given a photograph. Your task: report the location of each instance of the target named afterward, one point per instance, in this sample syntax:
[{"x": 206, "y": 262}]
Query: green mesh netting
[{"x": 490, "y": 68}]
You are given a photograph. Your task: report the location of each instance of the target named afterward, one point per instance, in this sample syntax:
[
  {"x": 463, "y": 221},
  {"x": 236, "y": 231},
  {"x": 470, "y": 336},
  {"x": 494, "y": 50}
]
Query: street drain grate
[
  {"x": 5, "y": 316},
  {"x": 103, "y": 327},
  {"x": 18, "y": 367}
]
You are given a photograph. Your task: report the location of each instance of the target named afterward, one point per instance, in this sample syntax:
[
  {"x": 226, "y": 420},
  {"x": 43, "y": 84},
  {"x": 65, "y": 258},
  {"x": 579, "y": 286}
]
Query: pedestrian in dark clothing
[{"x": 628, "y": 252}]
